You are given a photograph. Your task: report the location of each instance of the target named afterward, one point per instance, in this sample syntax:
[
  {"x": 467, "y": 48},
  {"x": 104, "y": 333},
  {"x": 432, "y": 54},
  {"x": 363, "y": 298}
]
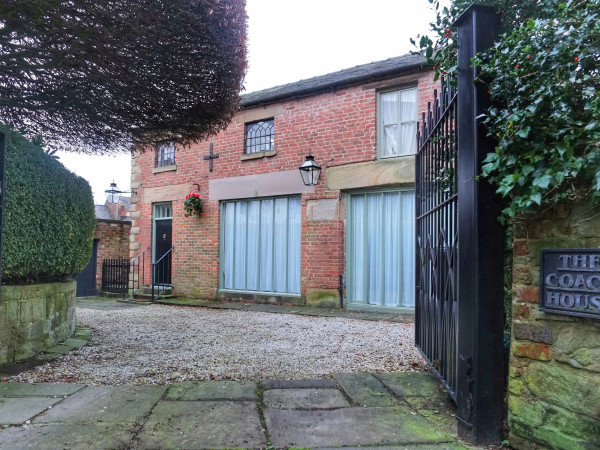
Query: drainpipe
[{"x": 341, "y": 291}]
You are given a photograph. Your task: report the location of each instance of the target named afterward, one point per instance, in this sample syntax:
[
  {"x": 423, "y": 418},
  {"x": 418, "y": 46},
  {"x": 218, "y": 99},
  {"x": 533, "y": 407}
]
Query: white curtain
[
  {"x": 389, "y": 106},
  {"x": 266, "y": 246},
  {"x": 391, "y": 248},
  {"x": 280, "y": 240},
  {"x": 239, "y": 245},
  {"x": 228, "y": 231},
  {"x": 382, "y": 248},
  {"x": 408, "y": 248},
  {"x": 261, "y": 245},
  {"x": 374, "y": 248},
  {"x": 358, "y": 248},
  {"x": 253, "y": 252},
  {"x": 408, "y": 119}
]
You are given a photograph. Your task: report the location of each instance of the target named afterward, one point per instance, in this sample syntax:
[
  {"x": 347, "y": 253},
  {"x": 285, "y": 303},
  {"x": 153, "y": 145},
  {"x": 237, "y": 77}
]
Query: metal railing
[
  {"x": 161, "y": 274},
  {"x": 137, "y": 272}
]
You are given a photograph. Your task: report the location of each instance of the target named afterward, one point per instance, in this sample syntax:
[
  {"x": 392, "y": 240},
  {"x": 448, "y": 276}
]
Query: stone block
[
  {"x": 207, "y": 424},
  {"x": 15, "y": 411},
  {"x": 560, "y": 385},
  {"x": 365, "y": 390},
  {"x": 300, "y": 384},
  {"x": 38, "y": 389},
  {"x": 578, "y": 346},
  {"x": 213, "y": 390},
  {"x": 384, "y": 172},
  {"x": 533, "y": 351},
  {"x": 305, "y": 399},
  {"x": 106, "y": 404},
  {"x": 322, "y": 298},
  {"x": 322, "y": 209},
  {"x": 135, "y": 230},
  {"x": 351, "y": 427},
  {"x": 532, "y": 332},
  {"x": 54, "y": 436},
  {"x": 411, "y": 384}
]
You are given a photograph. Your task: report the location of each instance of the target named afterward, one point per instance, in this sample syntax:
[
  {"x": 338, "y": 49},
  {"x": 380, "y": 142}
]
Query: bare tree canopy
[{"x": 100, "y": 75}]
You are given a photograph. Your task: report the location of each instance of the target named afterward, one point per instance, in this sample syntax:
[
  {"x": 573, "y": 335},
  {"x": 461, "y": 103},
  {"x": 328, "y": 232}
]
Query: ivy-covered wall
[{"x": 554, "y": 378}]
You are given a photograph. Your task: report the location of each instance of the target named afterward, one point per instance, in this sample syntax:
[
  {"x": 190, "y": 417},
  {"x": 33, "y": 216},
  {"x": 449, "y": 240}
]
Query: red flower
[
  {"x": 576, "y": 58},
  {"x": 529, "y": 57}
]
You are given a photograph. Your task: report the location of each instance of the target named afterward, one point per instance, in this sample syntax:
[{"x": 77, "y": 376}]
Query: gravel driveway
[{"x": 165, "y": 344}]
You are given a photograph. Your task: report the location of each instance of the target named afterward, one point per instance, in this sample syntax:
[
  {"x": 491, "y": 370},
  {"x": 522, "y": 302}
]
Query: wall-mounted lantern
[
  {"x": 113, "y": 193},
  {"x": 310, "y": 171}
]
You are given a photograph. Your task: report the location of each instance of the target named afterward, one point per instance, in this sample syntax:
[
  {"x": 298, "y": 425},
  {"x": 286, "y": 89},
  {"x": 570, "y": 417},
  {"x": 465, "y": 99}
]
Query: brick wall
[
  {"x": 554, "y": 378},
  {"x": 339, "y": 125},
  {"x": 113, "y": 243}
]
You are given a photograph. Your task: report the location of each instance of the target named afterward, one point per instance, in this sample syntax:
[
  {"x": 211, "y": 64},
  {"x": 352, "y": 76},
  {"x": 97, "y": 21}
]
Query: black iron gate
[
  {"x": 437, "y": 237},
  {"x": 459, "y": 262},
  {"x": 115, "y": 275}
]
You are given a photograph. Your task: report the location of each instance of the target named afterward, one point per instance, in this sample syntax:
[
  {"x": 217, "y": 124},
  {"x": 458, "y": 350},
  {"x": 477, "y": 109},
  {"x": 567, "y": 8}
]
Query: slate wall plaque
[{"x": 570, "y": 282}]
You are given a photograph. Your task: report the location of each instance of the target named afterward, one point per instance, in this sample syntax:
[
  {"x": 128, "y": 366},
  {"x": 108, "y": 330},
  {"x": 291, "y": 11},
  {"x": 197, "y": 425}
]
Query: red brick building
[
  {"x": 111, "y": 240},
  {"x": 265, "y": 236}
]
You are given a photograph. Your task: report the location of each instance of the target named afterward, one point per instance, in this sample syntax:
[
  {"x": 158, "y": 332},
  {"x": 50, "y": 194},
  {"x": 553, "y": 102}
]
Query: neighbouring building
[
  {"x": 111, "y": 240},
  {"x": 263, "y": 234}
]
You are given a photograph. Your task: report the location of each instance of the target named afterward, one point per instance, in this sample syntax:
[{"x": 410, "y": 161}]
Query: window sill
[
  {"x": 396, "y": 156},
  {"x": 170, "y": 168},
  {"x": 258, "y": 155}
]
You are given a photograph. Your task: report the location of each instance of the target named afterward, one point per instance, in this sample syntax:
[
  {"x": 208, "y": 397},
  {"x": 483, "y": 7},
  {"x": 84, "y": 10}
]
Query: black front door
[
  {"x": 162, "y": 244},
  {"x": 86, "y": 280}
]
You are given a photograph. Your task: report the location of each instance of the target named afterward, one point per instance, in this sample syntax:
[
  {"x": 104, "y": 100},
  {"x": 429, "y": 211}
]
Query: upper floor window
[
  {"x": 259, "y": 136},
  {"x": 397, "y": 123},
  {"x": 165, "y": 154}
]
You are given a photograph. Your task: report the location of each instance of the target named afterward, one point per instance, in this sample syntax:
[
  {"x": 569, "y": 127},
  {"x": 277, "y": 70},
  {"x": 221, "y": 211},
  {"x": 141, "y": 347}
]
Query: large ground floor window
[
  {"x": 380, "y": 249},
  {"x": 260, "y": 245}
]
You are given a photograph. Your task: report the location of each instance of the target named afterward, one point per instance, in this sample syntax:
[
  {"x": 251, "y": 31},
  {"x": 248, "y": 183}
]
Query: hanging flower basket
[{"x": 192, "y": 205}]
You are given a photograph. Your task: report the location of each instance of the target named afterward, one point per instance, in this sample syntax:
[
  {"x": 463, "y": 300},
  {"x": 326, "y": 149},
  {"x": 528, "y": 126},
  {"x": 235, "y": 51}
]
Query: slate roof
[
  {"x": 365, "y": 73},
  {"x": 103, "y": 213}
]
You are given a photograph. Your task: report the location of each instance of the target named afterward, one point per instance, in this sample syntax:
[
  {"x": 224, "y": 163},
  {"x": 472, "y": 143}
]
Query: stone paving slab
[
  {"x": 15, "y": 411},
  {"x": 365, "y": 390},
  {"x": 75, "y": 342},
  {"x": 213, "y": 390},
  {"x": 54, "y": 352},
  {"x": 410, "y": 384},
  {"x": 305, "y": 399},
  {"x": 107, "y": 404},
  {"x": 38, "y": 390},
  {"x": 350, "y": 426},
  {"x": 439, "y": 446},
  {"x": 300, "y": 384},
  {"x": 175, "y": 424},
  {"x": 53, "y": 436}
]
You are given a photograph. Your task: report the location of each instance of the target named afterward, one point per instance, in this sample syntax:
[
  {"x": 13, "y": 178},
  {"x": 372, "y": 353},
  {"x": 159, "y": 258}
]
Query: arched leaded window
[{"x": 259, "y": 136}]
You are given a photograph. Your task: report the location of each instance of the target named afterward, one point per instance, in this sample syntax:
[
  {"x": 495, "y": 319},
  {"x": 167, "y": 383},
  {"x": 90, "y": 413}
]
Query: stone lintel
[
  {"x": 384, "y": 172},
  {"x": 165, "y": 193},
  {"x": 287, "y": 182}
]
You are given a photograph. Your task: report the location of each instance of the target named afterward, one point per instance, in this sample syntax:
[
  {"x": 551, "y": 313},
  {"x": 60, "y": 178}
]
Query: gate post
[{"x": 481, "y": 237}]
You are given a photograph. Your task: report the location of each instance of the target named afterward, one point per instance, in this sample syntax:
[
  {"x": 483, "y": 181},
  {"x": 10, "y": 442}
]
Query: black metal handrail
[
  {"x": 162, "y": 267},
  {"x": 138, "y": 267}
]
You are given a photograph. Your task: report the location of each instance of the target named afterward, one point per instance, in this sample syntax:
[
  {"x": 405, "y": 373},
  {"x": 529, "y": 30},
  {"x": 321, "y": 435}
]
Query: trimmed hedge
[{"x": 49, "y": 217}]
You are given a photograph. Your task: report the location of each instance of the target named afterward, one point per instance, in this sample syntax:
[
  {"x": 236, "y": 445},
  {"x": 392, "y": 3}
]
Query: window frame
[
  {"x": 272, "y": 136},
  {"x": 352, "y": 304},
  {"x": 222, "y": 287},
  {"x": 161, "y": 150},
  {"x": 380, "y": 134}
]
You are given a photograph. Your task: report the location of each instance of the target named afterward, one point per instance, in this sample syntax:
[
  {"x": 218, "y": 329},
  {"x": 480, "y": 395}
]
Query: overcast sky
[{"x": 290, "y": 40}]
